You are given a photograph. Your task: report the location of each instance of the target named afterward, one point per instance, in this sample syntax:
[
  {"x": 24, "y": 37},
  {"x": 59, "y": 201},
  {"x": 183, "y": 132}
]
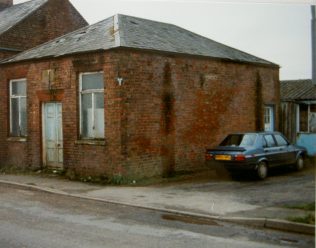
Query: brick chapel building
[
  {"x": 132, "y": 97},
  {"x": 26, "y": 25}
]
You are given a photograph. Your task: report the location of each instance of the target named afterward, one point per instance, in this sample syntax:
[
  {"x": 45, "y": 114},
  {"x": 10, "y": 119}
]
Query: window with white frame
[
  {"x": 92, "y": 105},
  {"x": 306, "y": 118},
  {"x": 18, "y": 114}
]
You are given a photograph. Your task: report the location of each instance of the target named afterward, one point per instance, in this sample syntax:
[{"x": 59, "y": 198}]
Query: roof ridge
[{"x": 116, "y": 30}]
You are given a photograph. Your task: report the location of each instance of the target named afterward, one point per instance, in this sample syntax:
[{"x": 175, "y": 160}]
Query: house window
[
  {"x": 18, "y": 115},
  {"x": 92, "y": 105},
  {"x": 306, "y": 118},
  {"x": 268, "y": 118}
]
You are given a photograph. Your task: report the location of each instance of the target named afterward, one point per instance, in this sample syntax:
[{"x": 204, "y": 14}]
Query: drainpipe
[{"x": 313, "y": 8}]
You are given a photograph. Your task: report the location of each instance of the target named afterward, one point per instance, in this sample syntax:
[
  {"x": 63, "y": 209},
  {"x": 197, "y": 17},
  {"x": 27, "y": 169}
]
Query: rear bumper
[{"x": 233, "y": 165}]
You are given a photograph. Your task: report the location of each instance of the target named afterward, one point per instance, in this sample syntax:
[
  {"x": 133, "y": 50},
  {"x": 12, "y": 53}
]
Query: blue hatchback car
[{"x": 256, "y": 152}]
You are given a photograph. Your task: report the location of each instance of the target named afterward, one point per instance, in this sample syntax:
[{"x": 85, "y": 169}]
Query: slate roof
[
  {"x": 131, "y": 32},
  {"x": 296, "y": 90},
  {"x": 13, "y": 15}
]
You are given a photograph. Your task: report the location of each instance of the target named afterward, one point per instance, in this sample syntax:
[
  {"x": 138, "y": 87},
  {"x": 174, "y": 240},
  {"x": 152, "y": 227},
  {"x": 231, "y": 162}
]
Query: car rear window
[{"x": 239, "y": 140}]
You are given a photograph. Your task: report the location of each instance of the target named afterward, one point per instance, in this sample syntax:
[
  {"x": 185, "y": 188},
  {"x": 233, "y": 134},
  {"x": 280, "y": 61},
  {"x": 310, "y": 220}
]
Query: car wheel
[
  {"x": 299, "y": 165},
  {"x": 262, "y": 170}
]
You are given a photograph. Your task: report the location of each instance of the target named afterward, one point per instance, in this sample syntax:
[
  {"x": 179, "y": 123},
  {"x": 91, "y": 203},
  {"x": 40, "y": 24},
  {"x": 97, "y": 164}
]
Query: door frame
[{"x": 43, "y": 125}]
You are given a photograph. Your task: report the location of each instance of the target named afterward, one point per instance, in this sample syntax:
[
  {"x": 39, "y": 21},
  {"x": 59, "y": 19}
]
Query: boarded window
[
  {"x": 92, "y": 105},
  {"x": 303, "y": 118},
  {"x": 18, "y": 113}
]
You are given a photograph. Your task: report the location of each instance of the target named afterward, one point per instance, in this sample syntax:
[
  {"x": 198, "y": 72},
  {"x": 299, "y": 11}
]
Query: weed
[
  {"x": 119, "y": 179},
  {"x": 307, "y": 219}
]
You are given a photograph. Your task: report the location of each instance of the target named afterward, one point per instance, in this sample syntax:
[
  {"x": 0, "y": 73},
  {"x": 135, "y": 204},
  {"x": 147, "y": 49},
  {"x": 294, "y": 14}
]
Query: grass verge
[{"x": 308, "y": 218}]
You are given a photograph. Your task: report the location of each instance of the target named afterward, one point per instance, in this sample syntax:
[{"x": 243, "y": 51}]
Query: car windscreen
[{"x": 240, "y": 140}]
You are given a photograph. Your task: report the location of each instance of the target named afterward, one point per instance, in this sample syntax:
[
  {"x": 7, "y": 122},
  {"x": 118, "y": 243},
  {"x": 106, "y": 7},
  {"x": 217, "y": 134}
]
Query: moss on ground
[
  {"x": 306, "y": 219},
  {"x": 304, "y": 206}
]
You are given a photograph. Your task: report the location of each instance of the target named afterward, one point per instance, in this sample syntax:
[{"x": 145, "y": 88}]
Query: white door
[
  {"x": 268, "y": 118},
  {"x": 52, "y": 135}
]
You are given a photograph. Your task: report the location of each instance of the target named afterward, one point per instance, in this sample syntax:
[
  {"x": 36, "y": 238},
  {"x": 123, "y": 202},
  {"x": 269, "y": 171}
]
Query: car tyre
[
  {"x": 262, "y": 170},
  {"x": 299, "y": 165}
]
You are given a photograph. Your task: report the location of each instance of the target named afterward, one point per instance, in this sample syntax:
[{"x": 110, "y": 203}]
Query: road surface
[{"x": 32, "y": 219}]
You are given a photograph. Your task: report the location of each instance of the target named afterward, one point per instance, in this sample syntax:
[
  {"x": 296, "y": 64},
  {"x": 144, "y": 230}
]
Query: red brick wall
[
  {"x": 79, "y": 157},
  {"x": 13, "y": 152},
  {"x": 168, "y": 110},
  {"x": 53, "y": 19},
  {"x": 175, "y": 107}
]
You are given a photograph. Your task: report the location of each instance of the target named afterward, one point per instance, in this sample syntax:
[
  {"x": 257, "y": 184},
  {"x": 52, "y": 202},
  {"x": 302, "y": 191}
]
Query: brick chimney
[
  {"x": 5, "y": 4},
  {"x": 313, "y": 7}
]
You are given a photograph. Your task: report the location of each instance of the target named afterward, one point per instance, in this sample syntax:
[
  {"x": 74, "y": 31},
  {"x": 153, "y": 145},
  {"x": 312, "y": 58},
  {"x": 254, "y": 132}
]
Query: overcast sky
[{"x": 275, "y": 30}]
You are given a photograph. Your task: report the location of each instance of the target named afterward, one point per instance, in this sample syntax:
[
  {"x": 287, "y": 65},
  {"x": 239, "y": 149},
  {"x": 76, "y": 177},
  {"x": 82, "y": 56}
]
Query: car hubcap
[
  {"x": 300, "y": 163},
  {"x": 262, "y": 170}
]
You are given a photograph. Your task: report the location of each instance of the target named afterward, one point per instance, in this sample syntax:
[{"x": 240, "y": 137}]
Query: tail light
[
  {"x": 208, "y": 156},
  {"x": 240, "y": 157}
]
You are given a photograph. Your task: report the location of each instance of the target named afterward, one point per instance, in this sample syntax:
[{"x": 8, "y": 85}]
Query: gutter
[
  {"x": 10, "y": 61},
  {"x": 10, "y": 49}
]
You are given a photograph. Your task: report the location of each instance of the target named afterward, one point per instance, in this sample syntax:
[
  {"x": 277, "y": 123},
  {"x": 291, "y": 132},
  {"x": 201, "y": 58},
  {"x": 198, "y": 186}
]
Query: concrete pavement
[{"x": 256, "y": 203}]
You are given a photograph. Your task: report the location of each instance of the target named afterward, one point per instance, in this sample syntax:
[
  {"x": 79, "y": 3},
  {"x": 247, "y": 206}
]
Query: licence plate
[{"x": 223, "y": 157}]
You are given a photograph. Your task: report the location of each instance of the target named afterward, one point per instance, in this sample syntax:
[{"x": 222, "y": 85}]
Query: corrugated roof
[
  {"x": 131, "y": 32},
  {"x": 13, "y": 15},
  {"x": 302, "y": 89}
]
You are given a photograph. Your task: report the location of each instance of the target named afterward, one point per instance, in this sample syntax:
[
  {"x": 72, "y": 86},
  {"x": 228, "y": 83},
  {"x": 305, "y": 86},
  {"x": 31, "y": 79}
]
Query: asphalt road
[{"x": 32, "y": 219}]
